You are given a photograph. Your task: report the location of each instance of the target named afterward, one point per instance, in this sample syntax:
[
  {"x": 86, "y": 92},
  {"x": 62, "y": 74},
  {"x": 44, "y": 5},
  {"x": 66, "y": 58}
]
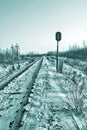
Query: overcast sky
[{"x": 33, "y": 23}]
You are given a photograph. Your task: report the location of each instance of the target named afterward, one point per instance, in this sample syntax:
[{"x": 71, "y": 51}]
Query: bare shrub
[{"x": 75, "y": 100}]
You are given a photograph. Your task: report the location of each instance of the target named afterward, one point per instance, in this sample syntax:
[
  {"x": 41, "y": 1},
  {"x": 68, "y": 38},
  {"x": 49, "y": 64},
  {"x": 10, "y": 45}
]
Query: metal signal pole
[
  {"x": 57, "y": 57},
  {"x": 58, "y": 38}
]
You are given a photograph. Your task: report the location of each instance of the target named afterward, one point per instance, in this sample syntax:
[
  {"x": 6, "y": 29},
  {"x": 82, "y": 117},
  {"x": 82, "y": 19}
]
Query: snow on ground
[
  {"x": 11, "y": 97},
  {"x": 76, "y": 63},
  {"x": 48, "y": 107},
  {"x": 6, "y": 71},
  {"x": 53, "y": 101}
]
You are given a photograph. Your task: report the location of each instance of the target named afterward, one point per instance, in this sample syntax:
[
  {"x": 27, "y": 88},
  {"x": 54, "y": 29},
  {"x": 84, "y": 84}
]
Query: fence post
[{"x": 60, "y": 65}]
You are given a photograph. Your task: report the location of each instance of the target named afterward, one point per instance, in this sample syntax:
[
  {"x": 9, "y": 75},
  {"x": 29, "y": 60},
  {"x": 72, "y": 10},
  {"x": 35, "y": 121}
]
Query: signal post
[{"x": 58, "y": 38}]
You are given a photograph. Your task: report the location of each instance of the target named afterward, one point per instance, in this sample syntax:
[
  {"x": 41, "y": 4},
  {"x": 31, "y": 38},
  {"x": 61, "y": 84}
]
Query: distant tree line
[
  {"x": 74, "y": 52},
  {"x": 30, "y": 55},
  {"x": 6, "y": 55}
]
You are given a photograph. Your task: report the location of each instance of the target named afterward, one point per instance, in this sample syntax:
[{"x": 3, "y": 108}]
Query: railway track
[
  {"x": 41, "y": 103},
  {"x": 12, "y": 95},
  {"x": 15, "y": 75},
  {"x": 29, "y": 85}
]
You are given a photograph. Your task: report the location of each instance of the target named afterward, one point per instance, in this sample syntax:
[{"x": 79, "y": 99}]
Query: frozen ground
[
  {"x": 76, "y": 63},
  {"x": 57, "y": 102},
  {"x": 52, "y": 105},
  {"x": 11, "y": 97},
  {"x": 6, "y": 71}
]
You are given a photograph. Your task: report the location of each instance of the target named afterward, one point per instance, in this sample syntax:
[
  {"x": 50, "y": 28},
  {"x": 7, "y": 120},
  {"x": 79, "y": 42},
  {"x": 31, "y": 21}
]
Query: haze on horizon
[{"x": 33, "y": 24}]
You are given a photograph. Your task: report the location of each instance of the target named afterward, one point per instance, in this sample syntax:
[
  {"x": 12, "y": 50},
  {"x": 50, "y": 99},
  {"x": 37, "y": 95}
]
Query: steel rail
[
  {"x": 29, "y": 85},
  {"x": 9, "y": 79}
]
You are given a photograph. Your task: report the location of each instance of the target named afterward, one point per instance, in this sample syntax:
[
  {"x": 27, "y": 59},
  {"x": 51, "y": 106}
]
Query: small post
[
  {"x": 58, "y": 38},
  {"x": 60, "y": 65},
  {"x": 12, "y": 57}
]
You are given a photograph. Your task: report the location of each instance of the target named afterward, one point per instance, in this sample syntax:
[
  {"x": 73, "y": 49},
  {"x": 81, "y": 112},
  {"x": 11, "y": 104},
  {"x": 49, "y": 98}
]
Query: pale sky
[{"x": 33, "y": 24}]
